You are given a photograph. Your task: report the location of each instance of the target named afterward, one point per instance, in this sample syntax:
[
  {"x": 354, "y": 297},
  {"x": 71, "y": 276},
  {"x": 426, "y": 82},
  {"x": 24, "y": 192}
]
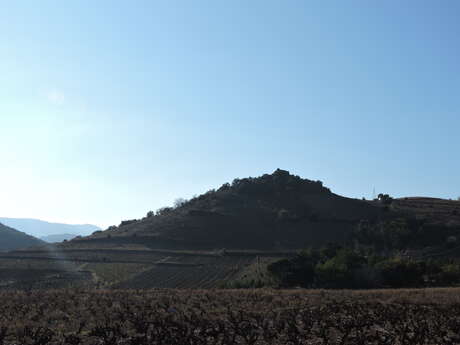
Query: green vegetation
[
  {"x": 282, "y": 211},
  {"x": 403, "y": 233},
  {"x": 337, "y": 267},
  {"x": 216, "y": 237}
]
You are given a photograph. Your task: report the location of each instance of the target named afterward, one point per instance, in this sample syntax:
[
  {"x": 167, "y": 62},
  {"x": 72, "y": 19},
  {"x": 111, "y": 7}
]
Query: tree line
[{"x": 339, "y": 267}]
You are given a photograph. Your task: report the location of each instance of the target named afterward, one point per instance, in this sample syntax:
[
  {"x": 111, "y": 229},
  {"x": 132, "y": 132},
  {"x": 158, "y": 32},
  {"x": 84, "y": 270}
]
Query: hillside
[
  {"x": 13, "y": 239},
  {"x": 433, "y": 211},
  {"x": 57, "y": 238},
  {"x": 258, "y": 221},
  {"x": 39, "y": 228},
  {"x": 273, "y": 212}
]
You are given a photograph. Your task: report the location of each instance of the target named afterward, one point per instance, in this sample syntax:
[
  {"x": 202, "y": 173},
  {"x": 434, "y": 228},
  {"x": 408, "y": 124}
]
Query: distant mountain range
[
  {"x": 13, "y": 239},
  {"x": 39, "y": 228},
  {"x": 58, "y": 238}
]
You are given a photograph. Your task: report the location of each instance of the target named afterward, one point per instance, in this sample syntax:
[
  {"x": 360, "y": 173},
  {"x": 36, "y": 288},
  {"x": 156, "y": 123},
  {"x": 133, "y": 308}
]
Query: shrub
[
  {"x": 163, "y": 211},
  {"x": 179, "y": 202},
  {"x": 127, "y": 222},
  {"x": 340, "y": 270},
  {"x": 385, "y": 199},
  {"x": 336, "y": 267},
  {"x": 450, "y": 274},
  {"x": 297, "y": 271},
  {"x": 402, "y": 273}
]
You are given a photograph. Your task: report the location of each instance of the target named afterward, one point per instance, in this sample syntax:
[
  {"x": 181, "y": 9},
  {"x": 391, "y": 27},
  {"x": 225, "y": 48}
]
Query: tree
[
  {"x": 297, "y": 271},
  {"x": 179, "y": 202},
  {"x": 397, "y": 233},
  {"x": 385, "y": 199},
  {"x": 450, "y": 274},
  {"x": 225, "y": 186},
  {"x": 402, "y": 273},
  {"x": 150, "y": 214},
  {"x": 339, "y": 271},
  {"x": 386, "y": 235},
  {"x": 127, "y": 222},
  {"x": 164, "y": 210}
]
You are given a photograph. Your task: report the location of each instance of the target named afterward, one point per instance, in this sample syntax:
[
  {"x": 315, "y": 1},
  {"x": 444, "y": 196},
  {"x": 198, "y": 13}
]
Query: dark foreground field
[{"x": 230, "y": 317}]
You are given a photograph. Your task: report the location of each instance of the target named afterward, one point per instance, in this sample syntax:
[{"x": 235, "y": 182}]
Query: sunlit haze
[{"x": 109, "y": 109}]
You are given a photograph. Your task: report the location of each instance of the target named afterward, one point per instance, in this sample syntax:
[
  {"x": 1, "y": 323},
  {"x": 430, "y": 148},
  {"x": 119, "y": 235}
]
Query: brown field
[
  {"x": 131, "y": 269},
  {"x": 180, "y": 317}
]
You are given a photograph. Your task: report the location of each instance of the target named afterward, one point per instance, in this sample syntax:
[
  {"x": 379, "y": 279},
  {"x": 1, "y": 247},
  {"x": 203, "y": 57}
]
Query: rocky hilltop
[{"x": 272, "y": 212}]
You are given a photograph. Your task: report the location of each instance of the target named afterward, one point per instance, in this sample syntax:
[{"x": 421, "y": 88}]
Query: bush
[
  {"x": 179, "y": 202},
  {"x": 163, "y": 211},
  {"x": 127, "y": 222},
  {"x": 337, "y": 267},
  {"x": 332, "y": 267},
  {"x": 450, "y": 274},
  {"x": 340, "y": 270},
  {"x": 402, "y": 273},
  {"x": 385, "y": 199},
  {"x": 298, "y": 271},
  {"x": 394, "y": 234}
]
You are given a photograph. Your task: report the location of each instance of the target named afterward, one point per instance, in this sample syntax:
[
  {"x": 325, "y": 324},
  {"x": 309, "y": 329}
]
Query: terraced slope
[
  {"x": 187, "y": 272},
  {"x": 431, "y": 210},
  {"x": 134, "y": 268},
  {"x": 270, "y": 212}
]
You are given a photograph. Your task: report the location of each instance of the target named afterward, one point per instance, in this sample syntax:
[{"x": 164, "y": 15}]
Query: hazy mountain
[
  {"x": 57, "y": 238},
  {"x": 13, "y": 239},
  {"x": 39, "y": 228}
]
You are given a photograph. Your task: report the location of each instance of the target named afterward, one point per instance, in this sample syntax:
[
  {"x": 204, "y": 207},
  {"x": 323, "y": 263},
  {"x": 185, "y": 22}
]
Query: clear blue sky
[{"x": 109, "y": 109}]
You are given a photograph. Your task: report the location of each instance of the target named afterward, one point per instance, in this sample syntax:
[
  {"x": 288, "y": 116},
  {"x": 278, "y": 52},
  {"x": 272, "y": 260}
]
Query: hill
[
  {"x": 57, "y": 238},
  {"x": 434, "y": 211},
  {"x": 273, "y": 212},
  {"x": 39, "y": 228},
  {"x": 230, "y": 236},
  {"x": 13, "y": 239}
]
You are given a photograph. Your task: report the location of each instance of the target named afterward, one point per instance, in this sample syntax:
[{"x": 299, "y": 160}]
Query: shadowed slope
[
  {"x": 13, "y": 239},
  {"x": 40, "y": 228},
  {"x": 276, "y": 211}
]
